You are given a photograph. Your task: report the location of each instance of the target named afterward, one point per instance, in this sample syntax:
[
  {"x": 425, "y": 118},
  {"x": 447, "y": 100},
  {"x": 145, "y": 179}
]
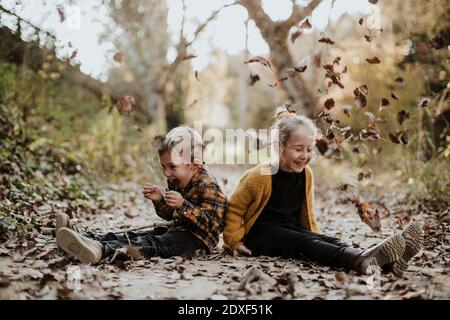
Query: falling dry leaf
[
  {"x": 364, "y": 175},
  {"x": 346, "y": 111},
  {"x": 259, "y": 59},
  {"x": 62, "y": 16},
  {"x": 334, "y": 76},
  {"x": 401, "y": 137},
  {"x": 322, "y": 146},
  {"x": 394, "y": 96},
  {"x": 329, "y": 104},
  {"x": 300, "y": 69},
  {"x": 402, "y": 116},
  {"x": 330, "y": 135},
  {"x": 368, "y": 37},
  {"x": 423, "y": 102},
  {"x": 73, "y": 55},
  {"x": 326, "y": 40},
  {"x": 360, "y": 96},
  {"x": 400, "y": 82},
  {"x": 384, "y": 103},
  {"x": 361, "y": 21},
  {"x": 158, "y": 141},
  {"x": 253, "y": 79},
  {"x": 196, "y": 75},
  {"x": 437, "y": 42},
  {"x": 374, "y": 60},
  {"x": 125, "y": 104},
  {"x": 295, "y": 35},
  {"x": 317, "y": 60},
  {"x": 369, "y": 216},
  {"x": 371, "y": 133},
  {"x": 118, "y": 57},
  {"x": 306, "y": 24}
]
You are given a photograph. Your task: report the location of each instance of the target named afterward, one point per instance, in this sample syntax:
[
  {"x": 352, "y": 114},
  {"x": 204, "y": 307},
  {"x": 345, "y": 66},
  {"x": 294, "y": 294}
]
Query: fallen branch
[
  {"x": 154, "y": 225},
  {"x": 51, "y": 231}
]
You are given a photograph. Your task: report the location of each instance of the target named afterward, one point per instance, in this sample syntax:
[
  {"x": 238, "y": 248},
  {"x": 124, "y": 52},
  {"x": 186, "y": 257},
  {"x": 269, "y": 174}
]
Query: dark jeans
[
  {"x": 295, "y": 242},
  {"x": 157, "y": 242}
]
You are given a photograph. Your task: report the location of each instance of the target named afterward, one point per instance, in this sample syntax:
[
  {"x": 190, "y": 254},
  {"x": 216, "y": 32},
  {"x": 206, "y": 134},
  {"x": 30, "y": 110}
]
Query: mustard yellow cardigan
[{"x": 250, "y": 197}]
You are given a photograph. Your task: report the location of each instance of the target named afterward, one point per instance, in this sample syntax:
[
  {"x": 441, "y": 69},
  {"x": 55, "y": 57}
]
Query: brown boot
[{"x": 364, "y": 261}]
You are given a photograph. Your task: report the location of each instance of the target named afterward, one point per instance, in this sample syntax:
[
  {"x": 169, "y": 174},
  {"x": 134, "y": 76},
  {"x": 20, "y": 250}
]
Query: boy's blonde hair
[
  {"x": 286, "y": 121},
  {"x": 186, "y": 141}
]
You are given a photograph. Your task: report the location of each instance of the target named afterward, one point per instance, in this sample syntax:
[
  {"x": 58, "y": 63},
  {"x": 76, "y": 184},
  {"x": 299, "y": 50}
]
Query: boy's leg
[
  {"x": 152, "y": 243},
  {"x": 123, "y": 237},
  {"x": 170, "y": 244}
]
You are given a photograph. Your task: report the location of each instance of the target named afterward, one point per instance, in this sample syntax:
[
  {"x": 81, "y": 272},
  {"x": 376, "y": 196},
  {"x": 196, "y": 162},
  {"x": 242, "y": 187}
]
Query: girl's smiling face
[{"x": 297, "y": 152}]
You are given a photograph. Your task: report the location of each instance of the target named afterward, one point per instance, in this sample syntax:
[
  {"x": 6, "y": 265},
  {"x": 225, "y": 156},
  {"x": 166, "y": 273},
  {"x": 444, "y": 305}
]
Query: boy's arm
[
  {"x": 210, "y": 212},
  {"x": 163, "y": 210},
  {"x": 240, "y": 200}
]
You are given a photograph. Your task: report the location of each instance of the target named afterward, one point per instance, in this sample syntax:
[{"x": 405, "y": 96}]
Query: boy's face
[
  {"x": 176, "y": 170},
  {"x": 297, "y": 152}
]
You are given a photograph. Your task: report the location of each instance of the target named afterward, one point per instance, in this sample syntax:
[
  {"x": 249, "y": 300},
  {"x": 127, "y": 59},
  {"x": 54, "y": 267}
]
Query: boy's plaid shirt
[{"x": 203, "y": 210}]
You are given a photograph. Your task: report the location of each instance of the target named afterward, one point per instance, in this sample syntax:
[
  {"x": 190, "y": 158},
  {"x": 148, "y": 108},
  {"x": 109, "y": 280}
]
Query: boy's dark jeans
[
  {"x": 295, "y": 242},
  {"x": 157, "y": 242}
]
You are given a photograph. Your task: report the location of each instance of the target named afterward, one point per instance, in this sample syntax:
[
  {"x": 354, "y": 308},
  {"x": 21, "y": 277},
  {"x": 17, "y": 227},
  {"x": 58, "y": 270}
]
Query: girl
[{"x": 273, "y": 214}]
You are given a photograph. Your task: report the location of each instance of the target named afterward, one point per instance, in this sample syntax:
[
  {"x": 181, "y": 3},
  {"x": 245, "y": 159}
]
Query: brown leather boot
[{"x": 364, "y": 261}]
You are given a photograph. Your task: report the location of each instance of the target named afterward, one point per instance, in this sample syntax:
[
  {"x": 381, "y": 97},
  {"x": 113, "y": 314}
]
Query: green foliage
[{"x": 34, "y": 171}]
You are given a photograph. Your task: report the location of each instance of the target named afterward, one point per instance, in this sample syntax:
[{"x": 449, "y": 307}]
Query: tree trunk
[{"x": 276, "y": 36}]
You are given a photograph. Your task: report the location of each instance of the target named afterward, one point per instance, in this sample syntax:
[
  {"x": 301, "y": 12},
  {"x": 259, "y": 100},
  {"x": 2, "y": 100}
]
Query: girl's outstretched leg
[{"x": 388, "y": 251}]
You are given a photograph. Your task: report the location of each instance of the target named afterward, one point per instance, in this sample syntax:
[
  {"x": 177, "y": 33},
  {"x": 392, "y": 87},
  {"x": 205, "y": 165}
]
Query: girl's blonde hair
[{"x": 286, "y": 121}]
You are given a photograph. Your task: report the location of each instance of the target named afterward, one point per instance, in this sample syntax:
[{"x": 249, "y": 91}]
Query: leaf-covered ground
[{"x": 33, "y": 268}]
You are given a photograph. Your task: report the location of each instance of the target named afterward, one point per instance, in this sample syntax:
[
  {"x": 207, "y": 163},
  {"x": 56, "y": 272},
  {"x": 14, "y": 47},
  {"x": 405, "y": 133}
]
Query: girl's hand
[
  {"x": 242, "y": 249},
  {"x": 152, "y": 192},
  {"x": 174, "y": 199}
]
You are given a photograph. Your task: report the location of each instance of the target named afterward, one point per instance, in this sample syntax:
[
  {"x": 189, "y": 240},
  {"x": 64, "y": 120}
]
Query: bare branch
[
  {"x": 202, "y": 26},
  {"x": 27, "y": 22},
  {"x": 182, "y": 47},
  {"x": 299, "y": 13}
]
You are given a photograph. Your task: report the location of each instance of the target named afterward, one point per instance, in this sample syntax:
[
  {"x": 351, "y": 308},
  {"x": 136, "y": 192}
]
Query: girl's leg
[
  {"x": 328, "y": 239},
  {"x": 280, "y": 241},
  {"x": 386, "y": 252}
]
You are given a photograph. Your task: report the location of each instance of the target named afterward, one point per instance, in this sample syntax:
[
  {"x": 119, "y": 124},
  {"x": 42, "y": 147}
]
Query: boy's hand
[
  {"x": 174, "y": 199},
  {"x": 242, "y": 249},
  {"x": 152, "y": 192}
]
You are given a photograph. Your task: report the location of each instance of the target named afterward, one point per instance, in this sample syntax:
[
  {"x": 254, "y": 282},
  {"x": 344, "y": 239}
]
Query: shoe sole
[
  {"x": 390, "y": 250},
  {"x": 69, "y": 241},
  {"x": 413, "y": 244}
]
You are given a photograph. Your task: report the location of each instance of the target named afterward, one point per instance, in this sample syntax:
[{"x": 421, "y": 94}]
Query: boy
[{"x": 193, "y": 201}]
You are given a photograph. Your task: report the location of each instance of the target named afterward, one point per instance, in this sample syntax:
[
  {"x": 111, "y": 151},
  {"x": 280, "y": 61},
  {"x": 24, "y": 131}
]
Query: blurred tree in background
[{"x": 379, "y": 93}]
